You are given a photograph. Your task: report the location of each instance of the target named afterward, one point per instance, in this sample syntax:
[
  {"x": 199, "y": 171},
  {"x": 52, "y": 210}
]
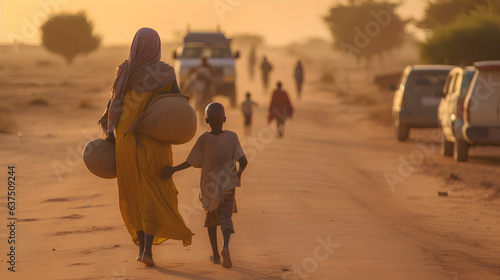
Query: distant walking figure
[
  {"x": 252, "y": 59},
  {"x": 280, "y": 108},
  {"x": 266, "y": 68},
  {"x": 299, "y": 78},
  {"x": 201, "y": 81},
  {"x": 247, "y": 110}
]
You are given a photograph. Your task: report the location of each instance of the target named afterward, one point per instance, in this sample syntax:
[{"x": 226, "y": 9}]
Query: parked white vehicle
[
  {"x": 482, "y": 109},
  {"x": 217, "y": 49},
  {"x": 417, "y": 97},
  {"x": 451, "y": 107}
]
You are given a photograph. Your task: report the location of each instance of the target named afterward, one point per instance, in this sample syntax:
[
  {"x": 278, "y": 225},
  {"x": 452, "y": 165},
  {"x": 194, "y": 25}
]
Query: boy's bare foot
[
  {"x": 226, "y": 259},
  {"x": 215, "y": 260},
  {"x": 139, "y": 257},
  {"x": 147, "y": 260}
]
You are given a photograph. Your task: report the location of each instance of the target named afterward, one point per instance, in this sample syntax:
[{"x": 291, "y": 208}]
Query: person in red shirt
[{"x": 280, "y": 109}]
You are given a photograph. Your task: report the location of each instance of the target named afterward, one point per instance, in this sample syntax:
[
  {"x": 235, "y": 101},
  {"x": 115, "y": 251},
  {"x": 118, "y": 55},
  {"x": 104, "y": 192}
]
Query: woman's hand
[
  {"x": 111, "y": 138},
  {"x": 167, "y": 172}
]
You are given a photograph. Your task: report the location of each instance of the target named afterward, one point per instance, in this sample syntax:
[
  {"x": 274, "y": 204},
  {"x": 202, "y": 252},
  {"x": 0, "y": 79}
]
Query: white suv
[
  {"x": 482, "y": 109},
  {"x": 451, "y": 108}
]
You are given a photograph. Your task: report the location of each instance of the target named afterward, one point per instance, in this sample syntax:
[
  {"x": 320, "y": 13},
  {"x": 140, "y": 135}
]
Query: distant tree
[
  {"x": 470, "y": 38},
  {"x": 69, "y": 35},
  {"x": 306, "y": 49},
  {"x": 442, "y": 12},
  {"x": 363, "y": 29},
  {"x": 316, "y": 43}
]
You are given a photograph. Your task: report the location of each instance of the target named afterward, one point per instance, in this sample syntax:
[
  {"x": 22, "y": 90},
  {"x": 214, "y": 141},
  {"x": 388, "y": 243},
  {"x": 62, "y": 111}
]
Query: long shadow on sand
[
  {"x": 253, "y": 274},
  {"x": 246, "y": 272},
  {"x": 181, "y": 274}
]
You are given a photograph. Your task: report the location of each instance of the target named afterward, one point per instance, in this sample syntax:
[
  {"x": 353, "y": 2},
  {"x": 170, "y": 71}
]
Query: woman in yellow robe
[{"x": 148, "y": 204}]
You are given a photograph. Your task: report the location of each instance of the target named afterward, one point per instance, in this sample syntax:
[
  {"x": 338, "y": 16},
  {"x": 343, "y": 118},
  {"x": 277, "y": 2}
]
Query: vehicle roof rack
[{"x": 206, "y": 37}]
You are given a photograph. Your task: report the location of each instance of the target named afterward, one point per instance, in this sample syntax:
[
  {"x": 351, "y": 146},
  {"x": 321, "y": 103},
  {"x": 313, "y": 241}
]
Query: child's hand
[{"x": 167, "y": 172}]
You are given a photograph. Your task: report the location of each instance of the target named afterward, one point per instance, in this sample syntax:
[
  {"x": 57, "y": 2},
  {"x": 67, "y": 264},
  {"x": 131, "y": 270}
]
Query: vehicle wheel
[
  {"x": 461, "y": 150},
  {"x": 402, "y": 131},
  {"x": 446, "y": 147}
]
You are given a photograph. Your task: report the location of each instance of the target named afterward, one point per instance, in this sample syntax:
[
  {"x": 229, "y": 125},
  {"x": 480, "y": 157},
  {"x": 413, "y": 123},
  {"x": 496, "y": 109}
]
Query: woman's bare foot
[
  {"x": 226, "y": 259},
  {"x": 215, "y": 260},
  {"x": 141, "y": 252},
  {"x": 147, "y": 260}
]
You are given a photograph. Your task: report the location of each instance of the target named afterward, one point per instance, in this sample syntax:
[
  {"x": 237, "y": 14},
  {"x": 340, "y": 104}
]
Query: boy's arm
[
  {"x": 168, "y": 171},
  {"x": 243, "y": 164}
]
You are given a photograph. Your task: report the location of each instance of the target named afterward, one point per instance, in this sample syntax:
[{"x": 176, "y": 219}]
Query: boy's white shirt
[{"x": 216, "y": 155}]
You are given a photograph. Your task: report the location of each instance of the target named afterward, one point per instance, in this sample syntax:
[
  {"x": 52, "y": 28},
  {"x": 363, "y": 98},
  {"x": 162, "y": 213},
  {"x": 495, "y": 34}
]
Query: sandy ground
[{"x": 315, "y": 204}]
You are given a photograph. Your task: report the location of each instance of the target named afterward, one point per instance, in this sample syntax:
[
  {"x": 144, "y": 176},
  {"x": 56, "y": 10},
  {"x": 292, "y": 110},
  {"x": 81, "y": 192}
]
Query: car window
[
  {"x": 467, "y": 78},
  {"x": 454, "y": 84},
  {"x": 485, "y": 82},
  {"x": 449, "y": 85},
  {"x": 209, "y": 52},
  {"x": 428, "y": 79}
]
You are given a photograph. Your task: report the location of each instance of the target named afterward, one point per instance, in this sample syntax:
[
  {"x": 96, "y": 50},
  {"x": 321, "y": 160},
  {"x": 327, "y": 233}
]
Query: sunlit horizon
[{"x": 280, "y": 22}]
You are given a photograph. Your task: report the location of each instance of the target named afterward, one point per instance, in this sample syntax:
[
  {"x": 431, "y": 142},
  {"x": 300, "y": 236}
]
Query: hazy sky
[{"x": 280, "y": 21}]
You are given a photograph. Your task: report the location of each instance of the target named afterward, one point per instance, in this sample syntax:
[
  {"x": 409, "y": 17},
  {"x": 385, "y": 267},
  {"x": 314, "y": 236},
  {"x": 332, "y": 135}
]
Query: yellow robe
[{"x": 147, "y": 202}]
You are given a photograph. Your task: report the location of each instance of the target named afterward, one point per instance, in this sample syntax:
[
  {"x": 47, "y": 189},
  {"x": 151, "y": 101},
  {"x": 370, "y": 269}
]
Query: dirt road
[{"x": 316, "y": 204}]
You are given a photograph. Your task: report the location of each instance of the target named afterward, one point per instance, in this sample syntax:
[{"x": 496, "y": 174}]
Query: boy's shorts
[{"x": 222, "y": 216}]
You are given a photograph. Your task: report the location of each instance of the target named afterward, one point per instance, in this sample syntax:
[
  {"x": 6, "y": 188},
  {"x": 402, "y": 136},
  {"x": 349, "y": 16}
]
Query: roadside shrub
[{"x": 469, "y": 39}]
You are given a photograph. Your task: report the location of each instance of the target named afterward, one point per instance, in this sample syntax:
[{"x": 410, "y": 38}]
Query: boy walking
[
  {"x": 216, "y": 153},
  {"x": 247, "y": 109}
]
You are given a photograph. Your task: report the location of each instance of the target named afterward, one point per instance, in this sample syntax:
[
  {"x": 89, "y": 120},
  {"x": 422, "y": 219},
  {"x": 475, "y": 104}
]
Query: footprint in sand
[
  {"x": 78, "y": 264},
  {"x": 95, "y": 249},
  {"x": 88, "y": 230},
  {"x": 60, "y": 199},
  {"x": 72, "y": 217},
  {"x": 93, "y": 206},
  {"x": 64, "y": 199},
  {"x": 27, "y": 220}
]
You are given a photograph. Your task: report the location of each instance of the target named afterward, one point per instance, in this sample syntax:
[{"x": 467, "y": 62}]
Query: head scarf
[{"x": 141, "y": 72}]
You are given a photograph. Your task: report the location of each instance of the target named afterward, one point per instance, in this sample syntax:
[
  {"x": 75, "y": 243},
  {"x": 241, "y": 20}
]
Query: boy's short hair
[
  {"x": 279, "y": 84},
  {"x": 248, "y": 94},
  {"x": 216, "y": 109}
]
